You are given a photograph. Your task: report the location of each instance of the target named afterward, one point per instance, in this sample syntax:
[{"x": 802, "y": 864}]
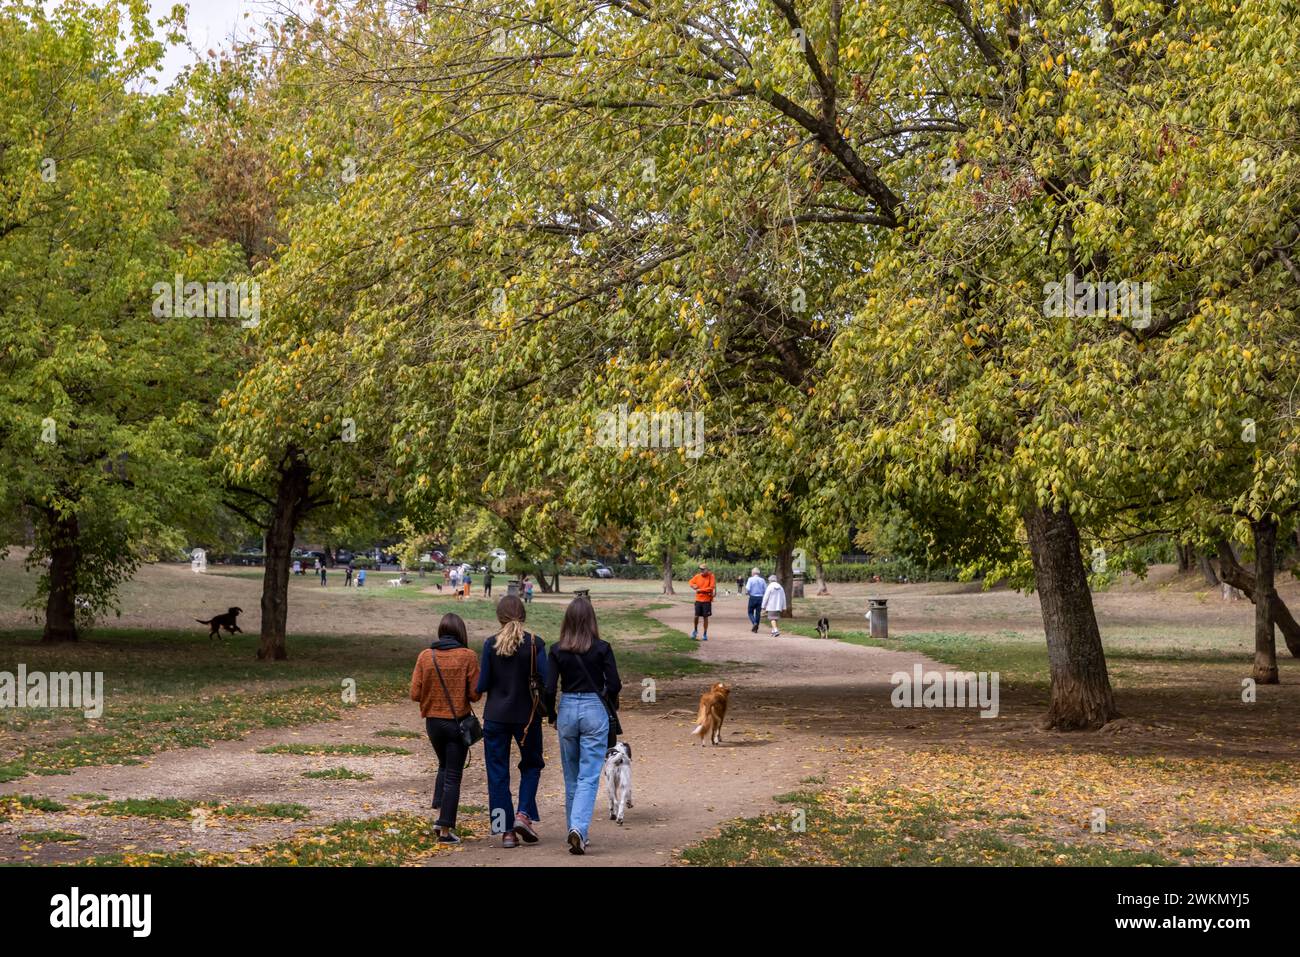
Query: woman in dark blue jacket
[{"x": 512, "y": 673}]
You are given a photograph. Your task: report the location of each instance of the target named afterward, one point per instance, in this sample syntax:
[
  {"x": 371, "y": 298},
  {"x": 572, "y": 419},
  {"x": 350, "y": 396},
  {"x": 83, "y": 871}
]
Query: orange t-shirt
[{"x": 705, "y": 585}]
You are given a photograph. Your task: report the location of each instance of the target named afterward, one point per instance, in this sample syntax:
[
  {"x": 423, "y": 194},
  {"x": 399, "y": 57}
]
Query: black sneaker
[
  {"x": 448, "y": 838},
  {"x": 576, "y": 844},
  {"x": 754, "y": 629}
]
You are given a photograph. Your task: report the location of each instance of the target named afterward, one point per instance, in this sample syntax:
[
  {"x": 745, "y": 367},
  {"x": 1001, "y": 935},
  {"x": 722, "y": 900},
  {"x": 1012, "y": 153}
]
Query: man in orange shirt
[{"x": 705, "y": 586}]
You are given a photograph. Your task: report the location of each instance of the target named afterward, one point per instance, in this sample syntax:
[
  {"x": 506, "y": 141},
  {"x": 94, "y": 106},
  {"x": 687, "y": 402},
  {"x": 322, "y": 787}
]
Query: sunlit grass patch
[
  {"x": 15, "y": 805},
  {"x": 338, "y": 774},
  {"x": 326, "y": 749},
  {"x": 51, "y": 837},
  {"x": 175, "y": 808},
  {"x": 391, "y": 840}
]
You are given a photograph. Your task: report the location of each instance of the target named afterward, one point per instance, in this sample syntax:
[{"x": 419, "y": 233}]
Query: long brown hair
[
  {"x": 578, "y": 631},
  {"x": 453, "y": 626},
  {"x": 511, "y": 615}
]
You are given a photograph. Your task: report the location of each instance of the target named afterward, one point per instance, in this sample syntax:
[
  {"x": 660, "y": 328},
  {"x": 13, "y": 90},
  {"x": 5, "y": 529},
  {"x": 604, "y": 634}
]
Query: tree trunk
[
  {"x": 1265, "y": 531},
  {"x": 1231, "y": 571},
  {"x": 291, "y": 496},
  {"x": 785, "y": 574},
  {"x": 1207, "y": 570},
  {"x": 668, "y": 570},
  {"x": 1081, "y": 696},
  {"x": 1184, "y": 557},
  {"x": 539, "y": 572},
  {"x": 65, "y": 557},
  {"x": 821, "y": 576}
]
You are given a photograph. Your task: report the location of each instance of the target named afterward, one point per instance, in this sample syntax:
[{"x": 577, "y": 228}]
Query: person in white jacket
[{"x": 774, "y": 602}]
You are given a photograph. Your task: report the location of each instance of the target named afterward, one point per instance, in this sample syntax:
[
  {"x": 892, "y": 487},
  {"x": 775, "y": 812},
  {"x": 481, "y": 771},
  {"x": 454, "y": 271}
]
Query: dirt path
[{"x": 794, "y": 702}]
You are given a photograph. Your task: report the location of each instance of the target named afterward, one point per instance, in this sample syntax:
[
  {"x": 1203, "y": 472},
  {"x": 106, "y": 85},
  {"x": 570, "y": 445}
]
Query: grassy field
[
  {"x": 1193, "y": 777},
  {"x": 173, "y": 688},
  {"x": 1198, "y": 777}
]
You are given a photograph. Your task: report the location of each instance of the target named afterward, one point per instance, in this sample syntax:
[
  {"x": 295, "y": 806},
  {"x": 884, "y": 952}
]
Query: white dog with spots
[{"x": 618, "y": 779}]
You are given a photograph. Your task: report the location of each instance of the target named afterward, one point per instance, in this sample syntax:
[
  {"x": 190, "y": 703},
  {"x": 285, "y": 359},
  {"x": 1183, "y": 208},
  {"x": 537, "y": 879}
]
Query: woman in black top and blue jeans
[
  {"x": 583, "y": 667},
  {"x": 512, "y": 714}
]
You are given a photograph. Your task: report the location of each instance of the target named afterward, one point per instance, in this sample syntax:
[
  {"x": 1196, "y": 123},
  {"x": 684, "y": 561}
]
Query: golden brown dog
[{"x": 713, "y": 709}]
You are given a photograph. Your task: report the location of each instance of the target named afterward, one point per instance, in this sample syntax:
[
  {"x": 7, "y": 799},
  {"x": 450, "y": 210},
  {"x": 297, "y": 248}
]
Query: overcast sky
[{"x": 213, "y": 22}]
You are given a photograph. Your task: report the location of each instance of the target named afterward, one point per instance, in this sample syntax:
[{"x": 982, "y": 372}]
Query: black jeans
[{"x": 444, "y": 735}]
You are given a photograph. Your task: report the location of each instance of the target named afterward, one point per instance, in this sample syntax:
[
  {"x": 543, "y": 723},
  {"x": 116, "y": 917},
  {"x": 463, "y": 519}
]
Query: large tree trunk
[
  {"x": 65, "y": 557},
  {"x": 1265, "y": 530},
  {"x": 1081, "y": 695},
  {"x": 1184, "y": 553},
  {"x": 1207, "y": 570},
  {"x": 668, "y": 570},
  {"x": 290, "y": 499},
  {"x": 785, "y": 574},
  {"x": 543, "y": 580},
  {"x": 1231, "y": 571}
]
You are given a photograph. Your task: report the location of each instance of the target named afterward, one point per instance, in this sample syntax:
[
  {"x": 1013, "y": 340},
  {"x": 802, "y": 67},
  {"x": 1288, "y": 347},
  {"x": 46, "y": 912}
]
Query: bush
[{"x": 888, "y": 569}]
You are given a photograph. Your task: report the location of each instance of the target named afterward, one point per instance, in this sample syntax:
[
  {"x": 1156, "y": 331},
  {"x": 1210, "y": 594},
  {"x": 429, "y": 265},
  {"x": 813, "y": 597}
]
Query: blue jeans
[
  {"x": 584, "y": 729},
  {"x": 497, "y": 736},
  {"x": 755, "y": 609}
]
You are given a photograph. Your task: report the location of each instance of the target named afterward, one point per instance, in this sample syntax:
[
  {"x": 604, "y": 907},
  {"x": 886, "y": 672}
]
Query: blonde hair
[{"x": 511, "y": 614}]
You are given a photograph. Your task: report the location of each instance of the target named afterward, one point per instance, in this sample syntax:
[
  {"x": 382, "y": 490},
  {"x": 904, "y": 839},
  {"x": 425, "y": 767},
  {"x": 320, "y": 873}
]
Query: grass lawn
[
  {"x": 170, "y": 689},
  {"x": 1046, "y": 800}
]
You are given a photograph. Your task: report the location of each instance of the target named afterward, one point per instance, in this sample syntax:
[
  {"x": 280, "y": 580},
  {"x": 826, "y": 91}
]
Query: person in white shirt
[
  {"x": 774, "y": 602},
  {"x": 755, "y": 589}
]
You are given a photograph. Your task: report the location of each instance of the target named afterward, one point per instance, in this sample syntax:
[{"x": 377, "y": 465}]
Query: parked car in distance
[
  {"x": 602, "y": 571},
  {"x": 343, "y": 556}
]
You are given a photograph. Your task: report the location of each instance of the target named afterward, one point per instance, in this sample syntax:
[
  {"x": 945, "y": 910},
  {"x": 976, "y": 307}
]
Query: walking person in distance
[{"x": 755, "y": 587}]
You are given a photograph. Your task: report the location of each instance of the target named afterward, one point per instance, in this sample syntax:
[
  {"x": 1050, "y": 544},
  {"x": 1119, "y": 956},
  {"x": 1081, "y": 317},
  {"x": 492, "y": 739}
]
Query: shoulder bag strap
[
  {"x": 532, "y": 673},
  {"x": 600, "y": 694}
]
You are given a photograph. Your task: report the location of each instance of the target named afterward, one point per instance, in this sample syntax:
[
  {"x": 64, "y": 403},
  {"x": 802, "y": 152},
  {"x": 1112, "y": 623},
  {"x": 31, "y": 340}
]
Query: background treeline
[{"x": 832, "y": 230}]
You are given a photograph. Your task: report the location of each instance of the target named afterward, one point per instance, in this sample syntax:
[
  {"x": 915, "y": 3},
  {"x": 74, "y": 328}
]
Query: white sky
[{"x": 213, "y": 22}]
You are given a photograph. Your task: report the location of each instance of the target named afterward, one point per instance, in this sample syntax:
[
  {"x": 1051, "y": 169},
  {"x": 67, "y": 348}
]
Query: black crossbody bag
[
  {"x": 615, "y": 726},
  {"x": 471, "y": 732}
]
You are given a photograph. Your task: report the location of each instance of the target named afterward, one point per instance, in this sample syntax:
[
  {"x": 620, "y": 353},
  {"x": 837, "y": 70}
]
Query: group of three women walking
[{"x": 521, "y": 680}]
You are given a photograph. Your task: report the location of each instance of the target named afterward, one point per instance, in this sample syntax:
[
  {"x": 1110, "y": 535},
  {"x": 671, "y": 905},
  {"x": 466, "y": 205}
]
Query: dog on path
[
  {"x": 713, "y": 709},
  {"x": 618, "y": 779},
  {"x": 228, "y": 621}
]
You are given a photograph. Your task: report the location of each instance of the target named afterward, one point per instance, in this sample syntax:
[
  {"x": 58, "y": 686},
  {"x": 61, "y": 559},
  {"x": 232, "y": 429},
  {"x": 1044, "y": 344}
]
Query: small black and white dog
[
  {"x": 823, "y": 627},
  {"x": 618, "y": 779}
]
